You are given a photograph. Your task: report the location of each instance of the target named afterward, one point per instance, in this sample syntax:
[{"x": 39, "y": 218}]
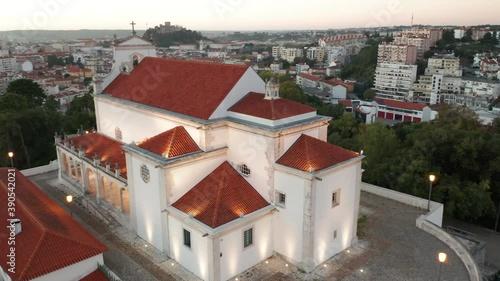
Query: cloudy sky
[{"x": 243, "y": 14}]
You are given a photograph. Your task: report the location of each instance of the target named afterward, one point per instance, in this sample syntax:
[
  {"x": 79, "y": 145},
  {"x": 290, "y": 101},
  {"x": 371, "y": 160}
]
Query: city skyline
[{"x": 242, "y": 15}]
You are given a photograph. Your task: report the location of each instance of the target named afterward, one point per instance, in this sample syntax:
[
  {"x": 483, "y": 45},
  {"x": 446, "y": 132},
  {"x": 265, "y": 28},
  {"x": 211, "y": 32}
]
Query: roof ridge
[
  {"x": 33, "y": 254},
  {"x": 218, "y": 196},
  {"x": 170, "y": 142}
]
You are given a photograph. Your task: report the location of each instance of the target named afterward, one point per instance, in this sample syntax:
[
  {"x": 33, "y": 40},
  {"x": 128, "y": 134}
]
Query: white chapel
[{"x": 206, "y": 163}]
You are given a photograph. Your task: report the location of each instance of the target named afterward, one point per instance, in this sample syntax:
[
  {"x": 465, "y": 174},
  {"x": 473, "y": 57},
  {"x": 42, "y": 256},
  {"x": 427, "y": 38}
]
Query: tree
[
  {"x": 369, "y": 94},
  {"x": 28, "y": 88},
  {"x": 290, "y": 90},
  {"x": 266, "y": 75}
]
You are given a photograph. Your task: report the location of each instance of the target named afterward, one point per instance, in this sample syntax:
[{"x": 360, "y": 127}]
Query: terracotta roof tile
[
  {"x": 50, "y": 238},
  {"x": 105, "y": 147},
  {"x": 308, "y": 152},
  {"x": 220, "y": 197},
  {"x": 254, "y": 104},
  {"x": 171, "y": 143},
  {"x": 96, "y": 275},
  {"x": 187, "y": 87},
  {"x": 347, "y": 103},
  {"x": 401, "y": 104},
  {"x": 309, "y": 77}
]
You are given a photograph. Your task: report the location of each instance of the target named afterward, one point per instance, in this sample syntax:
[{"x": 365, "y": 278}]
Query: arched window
[
  {"x": 118, "y": 134},
  {"x": 244, "y": 170}
]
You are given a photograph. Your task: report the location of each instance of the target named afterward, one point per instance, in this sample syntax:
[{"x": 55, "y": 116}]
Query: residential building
[
  {"x": 460, "y": 32},
  {"x": 422, "y": 38},
  {"x": 441, "y": 82},
  {"x": 316, "y": 53},
  {"x": 478, "y": 33},
  {"x": 48, "y": 243},
  {"x": 397, "y": 53},
  {"x": 405, "y": 111},
  {"x": 489, "y": 67},
  {"x": 394, "y": 81},
  {"x": 301, "y": 67},
  {"x": 342, "y": 40},
  {"x": 288, "y": 54},
  {"x": 305, "y": 80},
  {"x": 8, "y": 64},
  {"x": 478, "y": 92},
  {"x": 206, "y": 163}
]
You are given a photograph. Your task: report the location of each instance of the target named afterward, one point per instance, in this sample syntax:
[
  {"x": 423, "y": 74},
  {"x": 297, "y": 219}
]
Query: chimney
[{"x": 17, "y": 226}]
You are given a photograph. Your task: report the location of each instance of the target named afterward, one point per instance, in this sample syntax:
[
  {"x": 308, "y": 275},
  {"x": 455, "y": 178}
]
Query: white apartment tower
[{"x": 394, "y": 81}]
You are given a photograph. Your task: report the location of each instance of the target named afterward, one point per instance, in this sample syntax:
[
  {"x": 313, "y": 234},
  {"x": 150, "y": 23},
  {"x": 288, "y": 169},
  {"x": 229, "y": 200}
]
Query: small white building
[{"x": 206, "y": 163}]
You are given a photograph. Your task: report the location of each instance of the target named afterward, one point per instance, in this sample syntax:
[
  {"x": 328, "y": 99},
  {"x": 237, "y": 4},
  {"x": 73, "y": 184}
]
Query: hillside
[
  {"x": 53, "y": 35},
  {"x": 182, "y": 36}
]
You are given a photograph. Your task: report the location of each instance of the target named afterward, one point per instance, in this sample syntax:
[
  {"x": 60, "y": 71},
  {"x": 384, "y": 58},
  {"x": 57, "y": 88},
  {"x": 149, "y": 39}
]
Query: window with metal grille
[
  {"x": 244, "y": 170},
  {"x": 335, "y": 198},
  {"x": 280, "y": 199},
  {"x": 187, "y": 238},
  {"x": 145, "y": 173},
  {"x": 248, "y": 237},
  {"x": 118, "y": 133}
]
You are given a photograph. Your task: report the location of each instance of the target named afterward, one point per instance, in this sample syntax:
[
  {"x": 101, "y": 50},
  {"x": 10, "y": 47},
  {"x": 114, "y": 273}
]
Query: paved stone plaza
[{"x": 391, "y": 247}]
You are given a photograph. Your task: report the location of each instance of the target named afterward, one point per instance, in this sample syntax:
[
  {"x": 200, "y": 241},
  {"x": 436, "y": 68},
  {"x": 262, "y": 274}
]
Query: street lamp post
[
  {"x": 69, "y": 199},
  {"x": 431, "y": 180},
  {"x": 442, "y": 259},
  {"x": 11, "y": 156}
]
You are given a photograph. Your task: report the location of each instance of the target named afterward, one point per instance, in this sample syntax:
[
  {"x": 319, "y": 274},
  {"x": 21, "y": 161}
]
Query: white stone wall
[
  {"x": 181, "y": 178},
  {"x": 288, "y": 222},
  {"x": 73, "y": 272},
  {"x": 147, "y": 200},
  {"x": 195, "y": 259},
  {"x": 340, "y": 218},
  {"x": 136, "y": 124},
  {"x": 249, "y": 82},
  {"x": 235, "y": 258}
]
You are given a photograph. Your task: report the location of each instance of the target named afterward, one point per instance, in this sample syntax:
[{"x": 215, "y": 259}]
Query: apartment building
[
  {"x": 8, "y": 64},
  {"x": 397, "y": 53},
  {"x": 342, "y": 40},
  {"x": 441, "y": 82},
  {"x": 422, "y": 38},
  {"x": 394, "y": 81},
  {"x": 316, "y": 53},
  {"x": 288, "y": 54}
]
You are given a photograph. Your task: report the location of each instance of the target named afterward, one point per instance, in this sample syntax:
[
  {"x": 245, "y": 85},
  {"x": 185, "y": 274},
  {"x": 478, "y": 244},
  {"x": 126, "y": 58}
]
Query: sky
[{"x": 242, "y": 14}]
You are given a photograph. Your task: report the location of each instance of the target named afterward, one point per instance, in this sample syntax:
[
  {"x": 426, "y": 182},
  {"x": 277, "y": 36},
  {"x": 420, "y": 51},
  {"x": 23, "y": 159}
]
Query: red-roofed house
[
  {"x": 308, "y": 81},
  {"x": 42, "y": 241},
  {"x": 404, "y": 111},
  {"x": 185, "y": 155}
]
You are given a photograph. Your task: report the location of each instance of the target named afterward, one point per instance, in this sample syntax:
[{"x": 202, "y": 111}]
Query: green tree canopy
[{"x": 29, "y": 89}]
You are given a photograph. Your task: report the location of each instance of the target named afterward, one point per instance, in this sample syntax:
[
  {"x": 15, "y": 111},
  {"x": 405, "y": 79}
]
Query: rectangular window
[
  {"x": 248, "y": 237},
  {"x": 280, "y": 199},
  {"x": 335, "y": 198},
  {"x": 187, "y": 238}
]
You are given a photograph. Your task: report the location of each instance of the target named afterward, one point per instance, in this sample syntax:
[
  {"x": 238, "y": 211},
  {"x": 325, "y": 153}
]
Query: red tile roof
[
  {"x": 336, "y": 81},
  {"x": 254, "y": 104},
  {"x": 347, "y": 103},
  {"x": 401, "y": 104},
  {"x": 171, "y": 143},
  {"x": 95, "y": 275},
  {"x": 308, "y": 152},
  {"x": 309, "y": 77},
  {"x": 221, "y": 197},
  {"x": 105, "y": 147},
  {"x": 187, "y": 87},
  {"x": 50, "y": 238}
]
